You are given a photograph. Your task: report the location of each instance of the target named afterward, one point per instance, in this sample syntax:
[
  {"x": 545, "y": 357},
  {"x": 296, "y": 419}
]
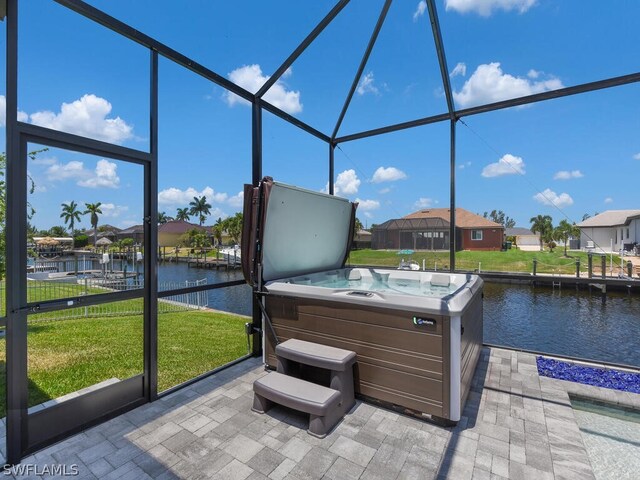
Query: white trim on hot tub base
[{"x": 455, "y": 323}]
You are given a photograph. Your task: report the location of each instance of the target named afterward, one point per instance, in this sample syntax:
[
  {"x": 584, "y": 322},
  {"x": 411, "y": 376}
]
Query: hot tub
[{"x": 417, "y": 335}]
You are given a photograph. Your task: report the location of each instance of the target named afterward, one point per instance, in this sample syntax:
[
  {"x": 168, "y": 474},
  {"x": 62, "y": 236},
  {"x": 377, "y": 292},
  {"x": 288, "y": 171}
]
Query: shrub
[{"x": 81, "y": 240}]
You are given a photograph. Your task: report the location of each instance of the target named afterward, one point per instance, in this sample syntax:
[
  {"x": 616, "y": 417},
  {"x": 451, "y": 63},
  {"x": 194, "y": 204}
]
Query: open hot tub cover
[{"x": 291, "y": 231}]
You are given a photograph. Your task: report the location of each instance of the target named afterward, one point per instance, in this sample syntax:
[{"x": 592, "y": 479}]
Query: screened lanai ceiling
[
  {"x": 495, "y": 51},
  {"x": 529, "y": 46}
]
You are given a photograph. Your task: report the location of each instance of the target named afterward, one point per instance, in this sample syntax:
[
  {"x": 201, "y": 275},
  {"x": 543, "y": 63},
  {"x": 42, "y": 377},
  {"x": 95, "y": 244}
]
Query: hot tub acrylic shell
[{"x": 415, "y": 351}]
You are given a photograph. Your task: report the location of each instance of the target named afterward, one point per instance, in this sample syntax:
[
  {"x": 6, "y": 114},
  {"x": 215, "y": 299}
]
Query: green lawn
[
  {"x": 68, "y": 355},
  {"x": 508, "y": 261}
]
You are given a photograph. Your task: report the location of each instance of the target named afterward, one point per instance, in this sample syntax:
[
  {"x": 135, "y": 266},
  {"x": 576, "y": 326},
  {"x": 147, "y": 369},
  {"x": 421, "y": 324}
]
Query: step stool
[
  {"x": 321, "y": 403},
  {"x": 339, "y": 362},
  {"x": 325, "y": 406}
]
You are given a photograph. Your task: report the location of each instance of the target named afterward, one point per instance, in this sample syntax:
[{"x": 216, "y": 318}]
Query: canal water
[
  {"x": 232, "y": 299},
  {"x": 566, "y": 322}
]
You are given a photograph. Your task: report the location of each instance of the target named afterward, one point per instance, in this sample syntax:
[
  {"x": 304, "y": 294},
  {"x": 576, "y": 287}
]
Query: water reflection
[{"x": 566, "y": 322}]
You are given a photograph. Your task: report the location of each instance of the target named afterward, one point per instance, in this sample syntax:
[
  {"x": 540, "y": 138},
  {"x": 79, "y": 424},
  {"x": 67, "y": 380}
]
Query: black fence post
[
  {"x": 535, "y": 266},
  {"x": 629, "y": 268},
  {"x": 590, "y": 265},
  {"x": 604, "y": 266},
  {"x": 578, "y": 268}
]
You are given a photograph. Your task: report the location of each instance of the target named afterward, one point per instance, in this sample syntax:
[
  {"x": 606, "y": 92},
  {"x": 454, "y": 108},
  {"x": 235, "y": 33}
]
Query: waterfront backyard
[{"x": 76, "y": 348}]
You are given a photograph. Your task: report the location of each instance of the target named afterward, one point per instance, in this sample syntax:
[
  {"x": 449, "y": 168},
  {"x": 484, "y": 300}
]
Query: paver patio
[{"x": 516, "y": 425}]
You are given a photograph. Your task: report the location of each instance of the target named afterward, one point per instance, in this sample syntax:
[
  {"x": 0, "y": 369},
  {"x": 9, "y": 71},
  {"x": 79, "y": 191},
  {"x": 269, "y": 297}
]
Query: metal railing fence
[{"x": 38, "y": 291}]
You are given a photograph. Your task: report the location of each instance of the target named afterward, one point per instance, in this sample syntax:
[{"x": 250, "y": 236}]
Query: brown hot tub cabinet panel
[{"x": 399, "y": 362}]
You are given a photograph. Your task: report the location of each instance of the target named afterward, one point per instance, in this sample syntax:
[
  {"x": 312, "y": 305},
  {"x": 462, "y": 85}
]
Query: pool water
[
  {"x": 376, "y": 282},
  {"x": 405, "y": 287},
  {"x": 611, "y": 436}
]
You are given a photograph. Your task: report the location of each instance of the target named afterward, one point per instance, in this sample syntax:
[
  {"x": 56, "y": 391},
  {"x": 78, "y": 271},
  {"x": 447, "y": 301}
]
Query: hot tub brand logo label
[{"x": 424, "y": 321}]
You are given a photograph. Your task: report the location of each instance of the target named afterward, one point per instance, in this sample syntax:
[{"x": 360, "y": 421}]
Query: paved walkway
[{"x": 516, "y": 425}]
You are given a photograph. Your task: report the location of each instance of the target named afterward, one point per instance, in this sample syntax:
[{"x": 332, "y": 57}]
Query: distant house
[
  {"x": 525, "y": 239},
  {"x": 429, "y": 230},
  {"x": 619, "y": 229},
  {"x": 104, "y": 231},
  {"x": 362, "y": 239},
  {"x": 169, "y": 233},
  {"x": 225, "y": 238},
  {"x": 135, "y": 232}
]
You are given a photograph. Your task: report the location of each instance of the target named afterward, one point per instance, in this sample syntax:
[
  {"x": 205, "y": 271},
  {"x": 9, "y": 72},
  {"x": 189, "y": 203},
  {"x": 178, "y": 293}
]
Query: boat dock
[
  {"x": 600, "y": 284},
  {"x": 217, "y": 263}
]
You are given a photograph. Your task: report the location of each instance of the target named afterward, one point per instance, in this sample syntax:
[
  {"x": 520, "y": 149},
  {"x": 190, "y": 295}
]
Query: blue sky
[{"x": 568, "y": 157}]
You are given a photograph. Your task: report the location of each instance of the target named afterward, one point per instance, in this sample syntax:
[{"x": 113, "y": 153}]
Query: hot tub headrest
[{"x": 440, "y": 279}]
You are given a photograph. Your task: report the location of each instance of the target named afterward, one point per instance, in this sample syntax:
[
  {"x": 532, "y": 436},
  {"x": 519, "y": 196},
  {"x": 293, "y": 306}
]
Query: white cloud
[
  {"x": 420, "y": 9},
  {"x": 86, "y": 116},
  {"x": 390, "y": 174},
  {"x": 459, "y": 69},
  {"x": 22, "y": 117},
  {"x": 44, "y": 160},
  {"x": 464, "y": 165},
  {"x": 636, "y": 156},
  {"x": 64, "y": 171},
  {"x": 507, "y": 165},
  {"x": 549, "y": 197},
  {"x": 367, "y": 85},
  {"x": 490, "y": 84},
  {"x": 236, "y": 201},
  {"x": 367, "y": 205},
  {"x": 112, "y": 210},
  {"x": 424, "y": 202},
  {"x": 347, "y": 183},
  {"x": 608, "y": 200},
  {"x": 567, "y": 175},
  {"x": 218, "y": 213},
  {"x": 487, "y": 7},
  {"x": 384, "y": 190},
  {"x": 533, "y": 73},
  {"x": 105, "y": 175},
  {"x": 251, "y": 78},
  {"x": 175, "y": 197}
]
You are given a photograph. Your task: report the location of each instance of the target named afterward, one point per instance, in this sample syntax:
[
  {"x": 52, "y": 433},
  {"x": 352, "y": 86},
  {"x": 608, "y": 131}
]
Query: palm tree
[
  {"x": 70, "y": 214},
  {"x": 543, "y": 225},
  {"x": 233, "y": 226},
  {"x": 183, "y": 214},
  {"x": 200, "y": 207},
  {"x": 564, "y": 230},
  {"x": 163, "y": 218},
  {"x": 217, "y": 230},
  {"x": 57, "y": 231},
  {"x": 94, "y": 210}
]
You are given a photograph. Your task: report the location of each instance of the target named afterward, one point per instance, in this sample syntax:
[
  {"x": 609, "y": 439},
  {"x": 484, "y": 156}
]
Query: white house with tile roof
[{"x": 617, "y": 228}]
